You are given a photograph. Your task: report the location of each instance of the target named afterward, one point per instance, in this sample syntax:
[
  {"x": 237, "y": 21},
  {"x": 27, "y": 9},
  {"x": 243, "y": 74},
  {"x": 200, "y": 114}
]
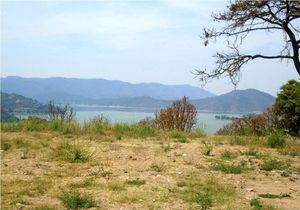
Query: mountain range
[
  {"x": 150, "y": 96},
  {"x": 82, "y": 90}
]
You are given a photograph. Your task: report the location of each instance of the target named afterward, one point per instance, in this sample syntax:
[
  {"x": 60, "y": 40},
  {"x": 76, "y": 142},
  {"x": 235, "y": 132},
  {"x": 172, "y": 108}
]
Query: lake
[{"x": 206, "y": 121}]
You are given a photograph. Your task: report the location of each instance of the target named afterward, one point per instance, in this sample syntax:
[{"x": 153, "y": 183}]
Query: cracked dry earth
[{"x": 171, "y": 173}]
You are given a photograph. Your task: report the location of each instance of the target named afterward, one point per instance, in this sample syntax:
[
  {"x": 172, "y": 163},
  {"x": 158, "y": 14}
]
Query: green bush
[
  {"x": 276, "y": 140},
  {"x": 179, "y": 136},
  {"x": 97, "y": 124},
  {"x": 75, "y": 200},
  {"x": 204, "y": 200}
]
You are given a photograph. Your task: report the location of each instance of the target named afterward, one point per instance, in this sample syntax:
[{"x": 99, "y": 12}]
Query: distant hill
[
  {"x": 69, "y": 90},
  {"x": 19, "y": 104},
  {"x": 249, "y": 100},
  {"x": 237, "y": 101}
]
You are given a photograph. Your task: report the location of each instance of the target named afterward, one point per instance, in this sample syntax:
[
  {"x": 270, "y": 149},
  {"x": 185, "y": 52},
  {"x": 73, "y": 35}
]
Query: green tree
[
  {"x": 245, "y": 17},
  {"x": 287, "y": 107}
]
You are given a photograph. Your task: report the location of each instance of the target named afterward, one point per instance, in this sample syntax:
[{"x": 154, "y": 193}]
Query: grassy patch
[
  {"x": 207, "y": 149},
  {"x": 256, "y": 203},
  {"x": 204, "y": 200},
  {"x": 75, "y": 200},
  {"x": 273, "y": 196},
  {"x": 229, "y": 168},
  {"x": 136, "y": 182},
  {"x": 276, "y": 140},
  {"x": 158, "y": 167},
  {"x": 272, "y": 164},
  {"x": 178, "y": 136},
  {"x": 228, "y": 155},
  {"x": 133, "y": 130}
]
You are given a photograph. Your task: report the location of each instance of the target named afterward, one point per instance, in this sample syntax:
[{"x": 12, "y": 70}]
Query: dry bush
[{"x": 181, "y": 115}]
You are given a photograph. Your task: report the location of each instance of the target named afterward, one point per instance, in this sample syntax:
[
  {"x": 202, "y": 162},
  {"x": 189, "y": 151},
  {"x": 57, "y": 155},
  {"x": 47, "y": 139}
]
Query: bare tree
[
  {"x": 243, "y": 17},
  {"x": 62, "y": 113}
]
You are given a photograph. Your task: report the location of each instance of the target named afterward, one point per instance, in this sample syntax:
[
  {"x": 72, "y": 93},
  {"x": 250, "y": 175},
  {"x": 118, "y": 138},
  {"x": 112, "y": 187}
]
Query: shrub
[
  {"x": 181, "y": 115},
  {"x": 33, "y": 123},
  {"x": 204, "y": 200},
  {"x": 276, "y": 140},
  {"x": 272, "y": 164},
  {"x": 256, "y": 203},
  {"x": 75, "y": 200}
]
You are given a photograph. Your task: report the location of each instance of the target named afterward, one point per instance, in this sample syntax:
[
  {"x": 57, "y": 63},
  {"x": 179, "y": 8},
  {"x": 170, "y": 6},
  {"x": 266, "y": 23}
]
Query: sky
[{"x": 133, "y": 41}]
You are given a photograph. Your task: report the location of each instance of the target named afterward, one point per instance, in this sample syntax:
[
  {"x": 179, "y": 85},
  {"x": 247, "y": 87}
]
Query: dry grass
[{"x": 157, "y": 172}]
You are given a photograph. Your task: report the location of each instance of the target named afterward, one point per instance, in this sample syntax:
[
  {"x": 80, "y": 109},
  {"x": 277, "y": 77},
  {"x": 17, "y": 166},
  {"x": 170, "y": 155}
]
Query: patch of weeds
[
  {"x": 253, "y": 152},
  {"x": 256, "y": 203},
  {"x": 207, "y": 149},
  {"x": 273, "y": 164},
  {"x": 20, "y": 143},
  {"x": 44, "y": 207},
  {"x": 204, "y": 200},
  {"x": 228, "y": 155},
  {"x": 134, "y": 130},
  {"x": 115, "y": 186},
  {"x": 273, "y": 196},
  {"x": 229, "y": 168},
  {"x": 102, "y": 171},
  {"x": 5, "y": 144},
  {"x": 136, "y": 182},
  {"x": 158, "y": 167},
  {"x": 181, "y": 184},
  {"x": 238, "y": 140},
  {"x": 276, "y": 140},
  {"x": 75, "y": 200},
  {"x": 73, "y": 153},
  {"x": 179, "y": 136},
  {"x": 25, "y": 154}
]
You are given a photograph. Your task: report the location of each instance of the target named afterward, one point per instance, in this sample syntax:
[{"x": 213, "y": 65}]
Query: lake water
[{"x": 206, "y": 121}]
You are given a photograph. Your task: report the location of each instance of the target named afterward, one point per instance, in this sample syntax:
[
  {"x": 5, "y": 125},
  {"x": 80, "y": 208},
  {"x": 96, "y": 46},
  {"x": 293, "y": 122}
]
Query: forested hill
[
  {"x": 11, "y": 102},
  {"x": 249, "y": 100}
]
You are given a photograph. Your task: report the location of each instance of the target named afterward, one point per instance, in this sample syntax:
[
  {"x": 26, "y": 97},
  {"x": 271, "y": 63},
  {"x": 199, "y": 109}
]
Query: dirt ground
[{"x": 152, "y": 173}]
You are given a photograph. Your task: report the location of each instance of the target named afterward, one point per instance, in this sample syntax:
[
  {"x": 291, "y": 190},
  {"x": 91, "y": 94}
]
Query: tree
[
  {"x": 287, "y": 107},
  {"x": 181, "y": 115},
  {"x": 244, "y": 17},
  {"x": 62, "y": 113}
]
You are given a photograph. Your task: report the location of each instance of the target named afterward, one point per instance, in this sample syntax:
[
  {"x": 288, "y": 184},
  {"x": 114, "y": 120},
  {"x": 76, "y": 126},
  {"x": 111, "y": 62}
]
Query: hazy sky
[{"x": 133, "y": 41}]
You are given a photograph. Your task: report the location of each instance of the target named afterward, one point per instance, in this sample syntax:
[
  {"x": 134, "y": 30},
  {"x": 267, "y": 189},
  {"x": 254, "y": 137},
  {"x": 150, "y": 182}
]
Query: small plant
[
  {"x": 136, "y": 182},
  {"x": 229, "y": 168},
  {"x": 75, "y": 200},
  {"x": 276, "y": 140},
  {"x": 204, "y": 200},
  {"x": 227, "y": 155},
  {"x": 272, "y": 164},
  {"x": 207, "y": 149},
  {"x": 72, "y": 153},
  {"x": 101, "y": 170},
  {"x": 256, "y": 203}
]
